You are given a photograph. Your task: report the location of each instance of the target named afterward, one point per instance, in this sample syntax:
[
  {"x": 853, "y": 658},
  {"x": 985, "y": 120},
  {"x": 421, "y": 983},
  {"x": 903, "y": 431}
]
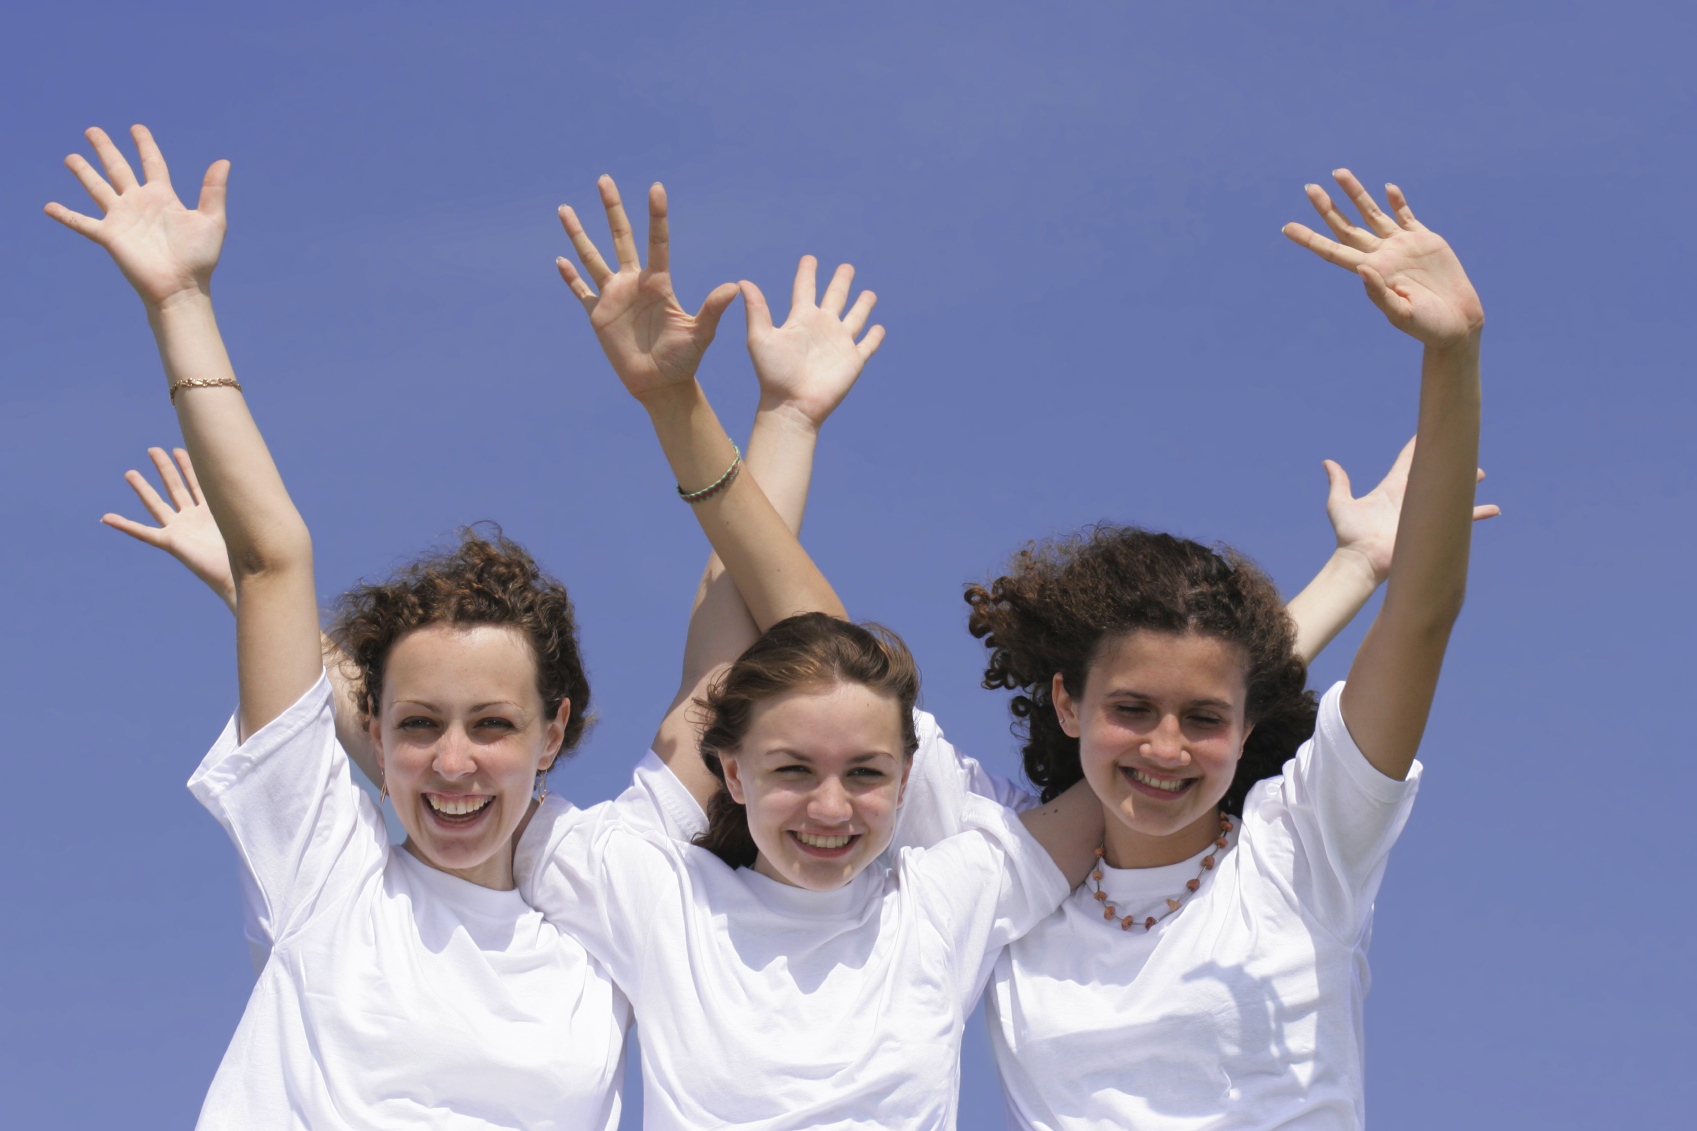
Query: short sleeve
[
  {"x": 679, "y": 814},
  {"x": 606, "y": 875},
  {"x": 938, "y": 785},
  {"x": 1343, "y": 816},
  {"x": 305, "y": 832},
  {"x": 987, "y": 885}
]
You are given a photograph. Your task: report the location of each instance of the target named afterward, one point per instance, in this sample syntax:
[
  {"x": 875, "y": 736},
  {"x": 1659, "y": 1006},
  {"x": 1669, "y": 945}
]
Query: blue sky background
[{"x": 1071, "y": 214}]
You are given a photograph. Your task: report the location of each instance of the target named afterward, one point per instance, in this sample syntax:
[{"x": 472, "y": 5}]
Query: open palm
[
  {"x": 163, "y": 248},
  {"x": 810, "y": 363},
  {"x": 651, "y": 341},
  {"x": 186, "y": 530},
  {"x": 1367, "y": 526},
  {"x": 1409, "y": 271}
]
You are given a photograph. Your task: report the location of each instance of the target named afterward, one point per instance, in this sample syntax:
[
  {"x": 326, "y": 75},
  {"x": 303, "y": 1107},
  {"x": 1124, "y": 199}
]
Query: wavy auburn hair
[
  {"x": 812, "y": 650},
  {"x": 1063, "y": 602},
  {"x": 481, "y": 581}
]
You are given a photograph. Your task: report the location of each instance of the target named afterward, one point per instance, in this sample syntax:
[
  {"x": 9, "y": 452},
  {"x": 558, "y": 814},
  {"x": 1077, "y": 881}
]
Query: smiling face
[
  {"x": 821, "y": 772},
  {"x": 1161, "y": 728},
  {"x": 461, "y": 737}
]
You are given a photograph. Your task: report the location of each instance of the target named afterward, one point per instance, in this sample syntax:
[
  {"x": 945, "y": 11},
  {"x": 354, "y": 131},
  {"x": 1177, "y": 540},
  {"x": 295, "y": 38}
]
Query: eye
[
  {"x": 1132, "y": 710},
  {"x": 496, "y": 723},
  {"x": 1206, "y": 720},
  {"x": 793, "y": 770},
  {"x": 415, "y": 724},
  {"x": 867, "y": 774}
]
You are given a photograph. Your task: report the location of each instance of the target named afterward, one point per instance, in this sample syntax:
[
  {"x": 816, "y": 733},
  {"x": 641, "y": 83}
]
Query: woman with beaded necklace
[{"x": 1211, "y": 971}]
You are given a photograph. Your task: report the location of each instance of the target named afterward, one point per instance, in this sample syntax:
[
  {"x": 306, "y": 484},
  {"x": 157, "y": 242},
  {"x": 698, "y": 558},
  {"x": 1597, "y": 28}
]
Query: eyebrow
[
  {"x": 429, "y": 706},
  {"x": 798, "y": 756},
  {"x": 1127, "y": 693}
]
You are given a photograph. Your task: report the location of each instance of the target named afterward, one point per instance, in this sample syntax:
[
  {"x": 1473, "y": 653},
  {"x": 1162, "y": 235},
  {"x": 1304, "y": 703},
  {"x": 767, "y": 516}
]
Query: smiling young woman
[
  {"x": 1213, "y": 970},
  {"x": 793, "y": 975},
  {"x": 399, "y": 988}
]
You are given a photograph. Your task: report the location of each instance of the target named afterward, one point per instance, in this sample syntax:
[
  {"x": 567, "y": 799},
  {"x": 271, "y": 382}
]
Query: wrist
[
  {"x": 1360, "y": 563},
  {"x": 1462, "y": 350},
  {"x": 787, "y": 415},
  {"x": 193, "y": 296},
  {"x": 673, "y": 399}
]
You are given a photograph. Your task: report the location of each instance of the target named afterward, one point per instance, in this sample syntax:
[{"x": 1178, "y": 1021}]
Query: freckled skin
[
  {"x": 462, "y": 716},
  {"x": 826, "y": 762},
  {"x": 1172, "y": 707}
]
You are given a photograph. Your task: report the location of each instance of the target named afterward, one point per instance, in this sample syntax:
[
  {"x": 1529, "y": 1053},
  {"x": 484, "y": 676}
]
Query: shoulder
[{"x": 309, "y": 720}]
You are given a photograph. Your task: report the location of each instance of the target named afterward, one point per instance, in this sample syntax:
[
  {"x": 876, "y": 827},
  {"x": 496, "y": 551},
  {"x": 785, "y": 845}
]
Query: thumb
[
  {"x": 707, "y": 318},
  {"x": 1337, "y": 480},
  {"x": 1395, "y": 307},
  {"x": 212, "y": 189},
  {"x": 754, "y": 306}
]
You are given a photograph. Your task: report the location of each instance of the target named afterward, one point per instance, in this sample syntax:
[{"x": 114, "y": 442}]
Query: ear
[
  {"x": 555, "y": 735},
  {"x": 732, "y": 765},
  {"x": 1249, "y": 730},
  {"x": 907, "y": 770},
  {"x": 374, "y": 728},
  {"x": 1066, "y": 710}
]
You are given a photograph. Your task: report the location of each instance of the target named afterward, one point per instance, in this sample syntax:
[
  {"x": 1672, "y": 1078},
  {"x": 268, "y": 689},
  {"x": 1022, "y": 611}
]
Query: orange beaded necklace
[{"x": 1109, "y": 911}]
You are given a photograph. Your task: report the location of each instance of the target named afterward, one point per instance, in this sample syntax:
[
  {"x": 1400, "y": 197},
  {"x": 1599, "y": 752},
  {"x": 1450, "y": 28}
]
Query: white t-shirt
[
  {"x": 395, "y": 995},
  {"x": 770, "y": 1006},
  {"x": 1241, "y": 1011}
]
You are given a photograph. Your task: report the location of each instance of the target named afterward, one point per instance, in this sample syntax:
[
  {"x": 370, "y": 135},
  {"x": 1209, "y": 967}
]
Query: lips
[
  {"x": 1156, "y": 785},
  {"x": 457, "y": 810},
  {"x": 828, "y": 847}
]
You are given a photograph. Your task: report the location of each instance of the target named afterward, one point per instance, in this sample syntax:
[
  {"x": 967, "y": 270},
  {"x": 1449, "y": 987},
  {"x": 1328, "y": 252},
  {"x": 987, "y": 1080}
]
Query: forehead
[
  {"x": 451, "y": 663},
  {"x": 842, "y": 720},
  {"x": 1170, "y": 665}
]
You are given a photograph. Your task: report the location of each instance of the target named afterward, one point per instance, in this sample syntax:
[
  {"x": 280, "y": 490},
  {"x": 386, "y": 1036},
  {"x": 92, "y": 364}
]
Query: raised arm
[
  {"x": 1366, "y": 536},
  {"x": 188, "y": 533},
  {"x": 1415, "y": 279},
  {"x": 805, "y": 368},
  {"x": 655, "y": 347},
  {"x": 168, "y": 253}
]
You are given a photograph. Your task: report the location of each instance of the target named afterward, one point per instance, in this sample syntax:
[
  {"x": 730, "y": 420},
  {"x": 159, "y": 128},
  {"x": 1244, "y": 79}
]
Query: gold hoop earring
[
  {"x": 541, "y": 790},
  {"x": 383, "y": 791}
]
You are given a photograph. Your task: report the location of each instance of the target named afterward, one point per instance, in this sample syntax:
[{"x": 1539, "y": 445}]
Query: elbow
[
  {"x": 285, "y": 548},
  {"x": 1434, "y": 614}
]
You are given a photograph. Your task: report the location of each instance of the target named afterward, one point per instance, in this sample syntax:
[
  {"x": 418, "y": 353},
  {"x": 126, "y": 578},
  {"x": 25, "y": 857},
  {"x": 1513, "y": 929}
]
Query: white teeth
[
  {"x": 822, "y": 841},
  {"x": 451, "y": 806},
  {"x": 1168, "y": 784}
]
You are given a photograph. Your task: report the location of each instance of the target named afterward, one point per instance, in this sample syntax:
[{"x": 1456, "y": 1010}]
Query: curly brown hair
[
  {"x": 1062, "y": 601},
  {"x": 809, "y": 650},
  {"x": 480, "y": 581}
]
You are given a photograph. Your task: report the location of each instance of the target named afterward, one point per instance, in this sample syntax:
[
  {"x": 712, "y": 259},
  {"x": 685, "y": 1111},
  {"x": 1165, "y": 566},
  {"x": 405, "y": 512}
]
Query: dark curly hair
[
  {"x": 480, "y": 581},
  {"x": 810, "y": 650},
  {"x": 1062, "y": 601}
]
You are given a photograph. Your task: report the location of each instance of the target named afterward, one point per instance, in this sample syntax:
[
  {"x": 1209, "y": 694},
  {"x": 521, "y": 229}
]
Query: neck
[
  {"x": 495, "y": 872},
  {"x": 1128, "y": 848}
]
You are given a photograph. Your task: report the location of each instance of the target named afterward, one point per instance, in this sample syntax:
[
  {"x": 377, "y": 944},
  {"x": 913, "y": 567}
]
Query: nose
[
  {"x": 829, "y": 804},
  {"x": 1165, "y": 744},
  {"x": 453, "y": 756}
]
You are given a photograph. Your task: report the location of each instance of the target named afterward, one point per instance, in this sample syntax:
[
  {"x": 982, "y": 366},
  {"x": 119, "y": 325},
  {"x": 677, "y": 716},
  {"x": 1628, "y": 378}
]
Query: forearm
[
  {"x": 1428, "y": 576},
  {"x": 1330, "y": 601},
  {"x": 780, "y": 457},
  {"x": 1395, "y": 673},
  {"x": 261, "y": 527},
  {"x": 277, "y": 650},
  {"x": 772, "y": 572}
]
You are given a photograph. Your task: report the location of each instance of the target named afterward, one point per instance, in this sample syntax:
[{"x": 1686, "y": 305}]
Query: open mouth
[
  {"x": 1153, "y": 785},
  {"x": 457, "y": 810},
  {"x": 825, "y": 847}
]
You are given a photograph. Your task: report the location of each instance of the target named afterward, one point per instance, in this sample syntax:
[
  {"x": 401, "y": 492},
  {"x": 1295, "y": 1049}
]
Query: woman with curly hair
[
  {"x": 1212, "y": 969},
  {"x": 410, "y": 984}
]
